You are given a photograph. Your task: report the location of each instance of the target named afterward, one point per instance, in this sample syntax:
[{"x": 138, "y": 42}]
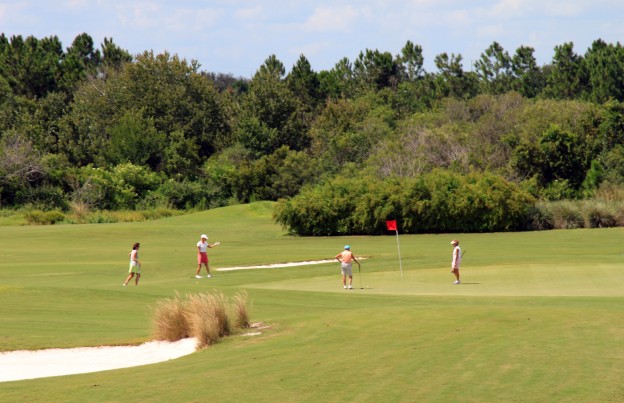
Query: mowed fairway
[{"x": 539, "y": 316}]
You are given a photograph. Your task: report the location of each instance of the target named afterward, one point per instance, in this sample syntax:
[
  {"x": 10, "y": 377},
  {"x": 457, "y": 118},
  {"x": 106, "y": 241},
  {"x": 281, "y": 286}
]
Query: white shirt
[
  {"x": 456, "y": 257},
  {"x": 134, "y": 256},
  {"x": 203, "y": 246}
]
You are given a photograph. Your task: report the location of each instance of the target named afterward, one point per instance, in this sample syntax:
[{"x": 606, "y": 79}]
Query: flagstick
[{"x": 399, "y": 249}]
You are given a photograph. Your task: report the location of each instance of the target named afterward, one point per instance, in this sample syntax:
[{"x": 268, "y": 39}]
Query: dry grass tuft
[
  {"x": 566, "y": 215},
  {"x": 207, "y": 317},
  {"x": 170, "y": 320},
  {"x": 598, "y": 214},
  {"x": 203, "y": 316},
  {"x": 80, "y": 210},
  {"x": 241, "y": 310}
]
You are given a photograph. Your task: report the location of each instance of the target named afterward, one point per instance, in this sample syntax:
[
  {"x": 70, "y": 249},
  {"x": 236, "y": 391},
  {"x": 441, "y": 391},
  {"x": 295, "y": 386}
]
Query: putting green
[{"x": 502, "y": 280}]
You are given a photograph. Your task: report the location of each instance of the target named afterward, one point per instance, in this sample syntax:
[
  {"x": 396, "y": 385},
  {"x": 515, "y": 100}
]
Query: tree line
[{"x": 103, "y": 129}]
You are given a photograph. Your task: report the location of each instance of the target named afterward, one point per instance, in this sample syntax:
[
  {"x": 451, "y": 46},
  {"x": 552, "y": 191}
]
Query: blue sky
[{"x": 237, "y": 36}]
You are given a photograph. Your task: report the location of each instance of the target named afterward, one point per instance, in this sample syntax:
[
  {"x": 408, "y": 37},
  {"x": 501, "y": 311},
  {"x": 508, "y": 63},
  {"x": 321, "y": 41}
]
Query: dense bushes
[
  {"x": 440, "y": 201},
  {"x": 154, "y": 131}
]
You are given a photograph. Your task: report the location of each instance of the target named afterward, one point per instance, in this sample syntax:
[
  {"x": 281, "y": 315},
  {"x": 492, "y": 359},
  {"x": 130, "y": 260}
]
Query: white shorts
[{"x": 346, "y": 270}]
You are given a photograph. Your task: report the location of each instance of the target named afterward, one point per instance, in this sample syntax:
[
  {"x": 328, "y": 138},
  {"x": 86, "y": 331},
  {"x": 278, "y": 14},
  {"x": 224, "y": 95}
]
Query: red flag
[{"x": 391, "y": 224}]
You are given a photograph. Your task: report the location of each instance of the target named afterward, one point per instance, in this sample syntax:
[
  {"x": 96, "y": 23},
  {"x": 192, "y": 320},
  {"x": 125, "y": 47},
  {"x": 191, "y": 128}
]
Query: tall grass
[
  {"x": 203, "y": 316},
  {"x": 598, "y": 214},
  {"x": 207, "y": 317},
  {"x": 170, "y": 320},
  {"x": 241, "y": 310},
  {"x": 541, "y": 217},
  {"x": 571, "y": 214},
  {"x": 566, "y": 214}
]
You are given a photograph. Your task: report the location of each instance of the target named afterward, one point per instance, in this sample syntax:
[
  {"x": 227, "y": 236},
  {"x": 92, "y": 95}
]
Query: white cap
[{"x": 204, "y": 236}]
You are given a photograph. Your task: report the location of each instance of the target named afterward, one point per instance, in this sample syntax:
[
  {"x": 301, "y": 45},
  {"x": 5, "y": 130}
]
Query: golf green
[{"x": 538, "y": 316}]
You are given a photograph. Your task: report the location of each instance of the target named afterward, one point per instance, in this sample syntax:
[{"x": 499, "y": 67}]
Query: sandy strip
[
  {"x": 273, "y": 266},
  {"x": 24, "y": 364},
  {"x": 277, "y": 265}
]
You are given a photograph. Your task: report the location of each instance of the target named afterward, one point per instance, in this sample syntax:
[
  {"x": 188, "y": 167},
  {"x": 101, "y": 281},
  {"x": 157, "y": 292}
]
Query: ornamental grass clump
[
  {"x": 207, "y": 317},
  {"x": 241, "y": 310},
  {"x": 170, "y": 320},
  {"x": 566, "y": 215},
  {"x": 598, "y": 214}
]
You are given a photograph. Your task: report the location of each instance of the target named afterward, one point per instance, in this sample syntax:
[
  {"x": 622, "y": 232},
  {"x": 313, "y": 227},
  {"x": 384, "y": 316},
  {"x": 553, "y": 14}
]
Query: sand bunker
[
  {"x": 23, "y": 364},
  {"x": 277, "y": 265},
  {"x": 27, "y": 364}
]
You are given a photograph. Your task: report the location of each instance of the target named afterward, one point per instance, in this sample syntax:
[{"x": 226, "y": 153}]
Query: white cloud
[
  {"x": 335, "y": 19},
  {"x": 76, "y": 4},
  {"x": 461, "y": 17},
  {"x": 237, "y": 35},
  {"x": 566, "y": 8},
  {"x": 508, "y": 9},
  {"x": 142, "y": 15},
  {"x": 15, "y": 14},
  {"x": 250, "y": 13},
  {"x": 515, "y": 9},
  {"x": 491, "y": 31},
  {"x": 192, "y": 20},
  {"x": 310, "y": 49}
]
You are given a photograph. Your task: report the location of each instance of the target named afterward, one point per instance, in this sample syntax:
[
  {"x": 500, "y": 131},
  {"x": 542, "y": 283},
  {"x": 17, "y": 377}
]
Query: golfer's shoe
[
  {"x": 208, "y": 276},
  {"x": 350, "y": 287},
  {"x": 457, "y": 282},
  {"x": 197, "y": 276},
  {"x": 344, "y": 286}
]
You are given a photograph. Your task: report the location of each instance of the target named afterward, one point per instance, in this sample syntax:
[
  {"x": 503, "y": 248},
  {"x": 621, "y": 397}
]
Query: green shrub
[
  {"x": 100, "y": 217},
  {"x": 44, "y": 197},
  {"x": 558, "y": 190},
  {"x": 122, "y": 186},
  {"x": 53, "y": 216},
  {"x": 186, "y": 195},
  {"x": 43, "y": 217},
  {"x": 440, "y": 201},
  {"x": 160, "y": 212}
]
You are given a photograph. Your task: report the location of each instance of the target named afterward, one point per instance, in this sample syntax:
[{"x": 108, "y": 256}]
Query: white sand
[
  {"x": 278, "y": 265},
  {"x": 16, "y": 365}
]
